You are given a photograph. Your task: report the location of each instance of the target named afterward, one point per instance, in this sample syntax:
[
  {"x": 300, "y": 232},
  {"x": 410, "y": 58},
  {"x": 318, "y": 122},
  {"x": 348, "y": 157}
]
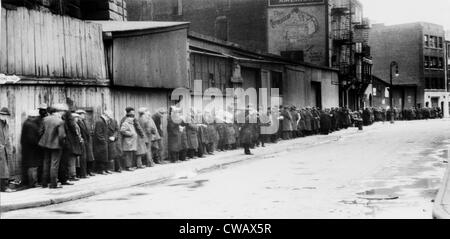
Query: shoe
[
  {"x": 8, "y": 190},
  {"x": 66, "y": 184},
  {"x": 91, "y": 174},
  {"x": 55, "y": 187},
  {"x": 74, "y": 179},
  {"x": 108, "y": 172},
  {"x": 45, "y": 186}
]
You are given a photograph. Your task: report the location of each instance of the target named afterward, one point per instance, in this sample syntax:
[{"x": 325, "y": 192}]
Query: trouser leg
[
  {"x": 201, "y": 150},
  {"x": 83, "y": 166},
  {"x": 46, "y": 168},
  {"x": 149, "y": 156},
  {"x": 246, "y": 148},
  {"x": 72, "y": 169},
  {"x": 32, "y": 176},
  {"x": 118, "y": 164},
  {"x": 182, "y": 155},
  {"x": 3, "y": 184},
  {"x": 139, "y": 161},
  {"x": 55, "y": 166},
  {"x": 128, "y": 159}
]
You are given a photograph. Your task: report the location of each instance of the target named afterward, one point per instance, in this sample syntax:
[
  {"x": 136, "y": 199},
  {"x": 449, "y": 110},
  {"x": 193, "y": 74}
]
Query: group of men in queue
[
  {"x": 59, "y": 147},
  {"x": 371, "y": 115}
]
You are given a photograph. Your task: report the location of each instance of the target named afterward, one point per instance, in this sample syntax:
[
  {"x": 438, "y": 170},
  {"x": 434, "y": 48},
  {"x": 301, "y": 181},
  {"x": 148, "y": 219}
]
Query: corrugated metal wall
[
  {"x": 20, "y": 99},
  {"x": 41, "y": 44}
]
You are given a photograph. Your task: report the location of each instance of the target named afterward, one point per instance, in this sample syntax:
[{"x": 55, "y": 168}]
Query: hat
[
  {"x": 5, "y": 111},
  {"x": 42, "y": 106},
  {"x": 142, "y": 110},
  {"x": 61, "y": 107},
  {"x": 80, "y": 112},
  {"x": 75, "y": 115}
]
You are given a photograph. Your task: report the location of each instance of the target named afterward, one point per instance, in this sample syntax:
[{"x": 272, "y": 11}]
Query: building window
[
  {"x": 427, "y": 62},
  {"x": 441, "y": 63},
  {"x": 434, "y": 62},
  {"x": 441, "y": 43},
  {"x": 426, "y": 41},
  {"x": 427, "y": 83}
]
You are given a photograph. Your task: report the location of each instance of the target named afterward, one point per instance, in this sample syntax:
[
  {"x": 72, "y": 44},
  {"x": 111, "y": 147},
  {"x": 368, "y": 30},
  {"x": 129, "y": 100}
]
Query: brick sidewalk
[{"x": 39, "y": 197}]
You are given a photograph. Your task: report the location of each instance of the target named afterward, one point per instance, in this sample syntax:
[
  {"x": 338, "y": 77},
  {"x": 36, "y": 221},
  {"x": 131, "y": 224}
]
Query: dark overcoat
[
  {"x": 32, "y": 154},
  {"x": 192, "y": 136},
  {"x": 87, "y": 138},
  {"x": 174, "y": 135},
  {"x": 100, "y": 141}
]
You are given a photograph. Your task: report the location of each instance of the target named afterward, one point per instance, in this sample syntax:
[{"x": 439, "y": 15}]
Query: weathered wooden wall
[
  {"x": 213, "y": 71},
  {"x": 156, "y": 60},
  {"x": 41, "y": 44},
  {"x": 20, "y": 99}
]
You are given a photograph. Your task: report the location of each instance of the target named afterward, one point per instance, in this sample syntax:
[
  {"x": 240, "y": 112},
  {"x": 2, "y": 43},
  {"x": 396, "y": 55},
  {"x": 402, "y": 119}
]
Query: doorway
[{"x": 316, "y": 94}]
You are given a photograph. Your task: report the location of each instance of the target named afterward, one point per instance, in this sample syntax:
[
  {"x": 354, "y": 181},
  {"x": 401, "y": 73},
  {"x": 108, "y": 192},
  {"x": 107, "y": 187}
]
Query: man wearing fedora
[{"x": 5, "y": 150}]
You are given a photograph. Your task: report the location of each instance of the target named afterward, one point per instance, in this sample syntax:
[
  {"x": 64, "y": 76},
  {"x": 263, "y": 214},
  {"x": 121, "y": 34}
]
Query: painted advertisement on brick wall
[{"x": 299, "y": 29}]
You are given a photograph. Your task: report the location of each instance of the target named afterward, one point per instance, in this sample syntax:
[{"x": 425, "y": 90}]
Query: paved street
[{"x": 386, "y": 171}]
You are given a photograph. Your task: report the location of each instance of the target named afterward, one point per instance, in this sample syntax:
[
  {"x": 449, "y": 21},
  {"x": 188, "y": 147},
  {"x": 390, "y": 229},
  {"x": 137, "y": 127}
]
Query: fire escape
[{"x": 351, "y": 53}]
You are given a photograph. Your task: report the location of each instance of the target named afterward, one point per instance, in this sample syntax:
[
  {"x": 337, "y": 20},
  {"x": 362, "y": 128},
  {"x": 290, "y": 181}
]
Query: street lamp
[{"x": 393, "y": 64}]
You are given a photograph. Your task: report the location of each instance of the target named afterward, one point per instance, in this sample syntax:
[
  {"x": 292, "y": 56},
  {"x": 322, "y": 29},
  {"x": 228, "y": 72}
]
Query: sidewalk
[
  {"x": 99, "y": 184},
  {"x": 441, "y": 208}
]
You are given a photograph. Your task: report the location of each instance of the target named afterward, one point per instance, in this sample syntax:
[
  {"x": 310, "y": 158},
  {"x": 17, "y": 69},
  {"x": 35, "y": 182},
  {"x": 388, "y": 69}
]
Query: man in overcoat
[
  {"x": 87, "y": 157},
  {"x": 129, "y": 140},
  {"x": 52, "y": 140},
  {"x": 5, "y": 150},
  {"x": 31, "y": 152}
]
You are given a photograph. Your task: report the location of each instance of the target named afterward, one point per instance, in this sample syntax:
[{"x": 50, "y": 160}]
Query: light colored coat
[
  {"x": 129, "y": 136},
  {"x": 53, "y": 133}
]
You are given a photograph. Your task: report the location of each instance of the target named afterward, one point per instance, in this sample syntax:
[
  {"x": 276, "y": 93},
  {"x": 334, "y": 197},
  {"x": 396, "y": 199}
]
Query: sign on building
[{"x": 274, "y": 3}]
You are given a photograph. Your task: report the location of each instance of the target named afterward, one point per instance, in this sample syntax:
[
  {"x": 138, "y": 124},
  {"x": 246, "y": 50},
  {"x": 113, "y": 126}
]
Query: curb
[
  {"x": 439, "y": 212},
  {"x": 161, "y": 178}
]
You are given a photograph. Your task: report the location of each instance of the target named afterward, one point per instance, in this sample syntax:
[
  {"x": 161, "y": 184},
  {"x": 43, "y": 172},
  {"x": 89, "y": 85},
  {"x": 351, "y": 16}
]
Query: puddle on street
[
  {"x": 416, "y": 192},
  {"x": 137, "y": 194},
  {"x": 191, "y": 184},
  {"x": 114, "y": 199},
  {"x": 67, "y": 212}
]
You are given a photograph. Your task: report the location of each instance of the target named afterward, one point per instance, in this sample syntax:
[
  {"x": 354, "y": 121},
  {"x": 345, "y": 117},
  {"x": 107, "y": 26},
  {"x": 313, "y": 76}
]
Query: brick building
[
  {"x": 419, "y": 50},
  {"x": 330, "y": 33}
]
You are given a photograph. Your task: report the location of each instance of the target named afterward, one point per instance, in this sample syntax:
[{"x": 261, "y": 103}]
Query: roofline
[
  {"x": 144, "y": 31},
  {"x": 257, "y": 53}
]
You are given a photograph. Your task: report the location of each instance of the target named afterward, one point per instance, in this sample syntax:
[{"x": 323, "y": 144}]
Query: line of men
[
  {"x": 59, "y": 147},
  {"x": 373, "y": 114}
]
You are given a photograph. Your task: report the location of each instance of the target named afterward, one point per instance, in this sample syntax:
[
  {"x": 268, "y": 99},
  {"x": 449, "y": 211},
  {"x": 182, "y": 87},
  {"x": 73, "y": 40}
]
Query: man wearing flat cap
[{"x": 5, "y": 150}]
